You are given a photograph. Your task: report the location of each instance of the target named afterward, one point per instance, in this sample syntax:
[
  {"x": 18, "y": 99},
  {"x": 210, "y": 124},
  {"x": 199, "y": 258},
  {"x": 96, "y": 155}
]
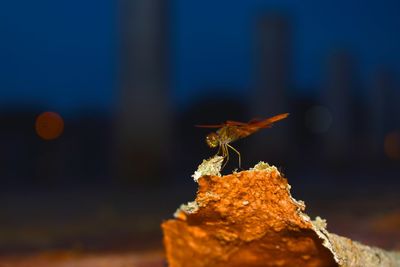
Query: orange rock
[{"x": 244, "y": 219}]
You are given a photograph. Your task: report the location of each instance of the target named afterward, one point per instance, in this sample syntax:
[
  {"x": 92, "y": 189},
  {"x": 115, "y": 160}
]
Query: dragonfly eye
[{"x": 212, "y": 140}]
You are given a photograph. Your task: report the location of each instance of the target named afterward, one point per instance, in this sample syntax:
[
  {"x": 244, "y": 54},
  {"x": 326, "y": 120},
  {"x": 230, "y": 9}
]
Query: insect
[{"x": 231, "y": 131}]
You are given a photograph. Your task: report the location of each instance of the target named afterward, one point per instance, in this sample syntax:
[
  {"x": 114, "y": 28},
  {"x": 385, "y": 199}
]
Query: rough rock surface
[{"x": 250, "y": 219}]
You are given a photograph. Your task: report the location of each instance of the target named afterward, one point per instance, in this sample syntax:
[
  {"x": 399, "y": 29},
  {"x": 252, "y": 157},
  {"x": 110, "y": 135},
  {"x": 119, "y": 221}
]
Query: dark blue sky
[
  {"x": 64, "y": 54},
  {"x": 213, "y": 39},
  {"x": 58, "y": 54}
]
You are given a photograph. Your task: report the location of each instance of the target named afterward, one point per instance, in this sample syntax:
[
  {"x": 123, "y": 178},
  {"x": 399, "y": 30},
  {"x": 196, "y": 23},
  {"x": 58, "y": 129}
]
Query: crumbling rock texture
[
  {"x": 244, "y": 219},
  {"x": 249, "y": 219}
]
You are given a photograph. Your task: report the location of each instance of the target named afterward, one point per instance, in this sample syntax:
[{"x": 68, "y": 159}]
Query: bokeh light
[
  {"x": 49, "y": 125},
  {"x": 392, "y": 145}
]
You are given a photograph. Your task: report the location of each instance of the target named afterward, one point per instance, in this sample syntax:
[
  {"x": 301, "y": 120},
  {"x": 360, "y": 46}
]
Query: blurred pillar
[
  {"x": 144, "y": 113},
  {"x": 270, "y": 97},
  {"x": 337, "y": 97},
  {"x": 383, "y": 111}
]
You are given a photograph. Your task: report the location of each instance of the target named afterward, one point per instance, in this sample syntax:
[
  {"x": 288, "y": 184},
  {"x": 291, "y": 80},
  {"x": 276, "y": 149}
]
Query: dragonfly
[{"x": 231, "y": 131}]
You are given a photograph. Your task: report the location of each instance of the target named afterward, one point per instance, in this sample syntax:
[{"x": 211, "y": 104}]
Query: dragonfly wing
[
  {"x": 227, "y": 123},
  {"x": 268, "y": 122},
  {"x": 251, "y": 127},
  {"x": 210, "y": 126},
  {"x": 255, "y": 120},
  {"x": 235, "y": 123}
]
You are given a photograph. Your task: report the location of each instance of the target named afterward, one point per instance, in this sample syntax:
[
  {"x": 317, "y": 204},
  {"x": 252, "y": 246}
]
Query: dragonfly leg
[
  {"x": 238, "y": 153},
  {"x": 225, "y": 154},
  {"x": 220, "y": 150}
]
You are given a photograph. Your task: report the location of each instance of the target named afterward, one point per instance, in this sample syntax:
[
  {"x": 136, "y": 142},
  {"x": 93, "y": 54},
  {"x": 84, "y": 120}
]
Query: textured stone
[{"x": 250, "y": 219}]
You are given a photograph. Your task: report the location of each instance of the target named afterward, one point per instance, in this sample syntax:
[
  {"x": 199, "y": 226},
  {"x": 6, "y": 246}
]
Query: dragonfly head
[{"x": 212, "y": 140}]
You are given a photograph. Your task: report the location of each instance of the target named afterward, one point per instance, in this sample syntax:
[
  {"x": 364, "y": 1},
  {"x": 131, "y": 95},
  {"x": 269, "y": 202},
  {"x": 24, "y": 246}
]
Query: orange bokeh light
[
  {"x": 49, "y": 125},
  {"x": 392, "y": 145}
]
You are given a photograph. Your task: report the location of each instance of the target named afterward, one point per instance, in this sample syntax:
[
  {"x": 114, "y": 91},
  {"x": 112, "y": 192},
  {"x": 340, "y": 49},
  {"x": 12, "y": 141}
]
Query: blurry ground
[
  {"x": 90, "y": 227},
  {"x": 96, "y": 227},
  {"x": 74, "y": 259}
]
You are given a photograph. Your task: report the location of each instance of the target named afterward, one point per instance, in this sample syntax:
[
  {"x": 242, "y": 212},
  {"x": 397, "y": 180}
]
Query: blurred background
[{"x": 98, "y": 102}]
